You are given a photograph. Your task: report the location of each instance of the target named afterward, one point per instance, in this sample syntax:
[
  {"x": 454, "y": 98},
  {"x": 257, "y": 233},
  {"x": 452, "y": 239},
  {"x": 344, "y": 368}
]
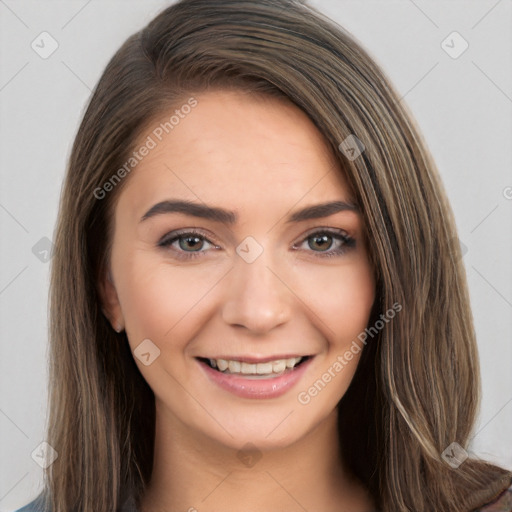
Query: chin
[{"x": 277, "y": 428}]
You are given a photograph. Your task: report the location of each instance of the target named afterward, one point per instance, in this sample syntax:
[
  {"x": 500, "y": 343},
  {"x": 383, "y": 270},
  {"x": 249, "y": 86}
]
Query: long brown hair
[{"x": 416, "y": 389}]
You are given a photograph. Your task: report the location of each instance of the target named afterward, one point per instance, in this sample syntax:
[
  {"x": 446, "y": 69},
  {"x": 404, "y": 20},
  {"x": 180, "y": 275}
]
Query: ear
[{"x": 109, "y": 301}]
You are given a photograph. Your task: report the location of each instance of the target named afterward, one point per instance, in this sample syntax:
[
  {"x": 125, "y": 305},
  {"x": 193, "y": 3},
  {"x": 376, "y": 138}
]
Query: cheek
[
  {"x": 342, "y": 300},
  {"x": 157, "y": 297},
  {"x": 340, "y": 296}
]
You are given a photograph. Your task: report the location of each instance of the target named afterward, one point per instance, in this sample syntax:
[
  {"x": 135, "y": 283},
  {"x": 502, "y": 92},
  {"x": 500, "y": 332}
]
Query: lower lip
[{"x": 252, "y": 388}]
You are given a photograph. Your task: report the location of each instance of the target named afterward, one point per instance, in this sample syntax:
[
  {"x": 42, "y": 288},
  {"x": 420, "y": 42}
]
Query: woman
[{"x": 254, "y": 292}]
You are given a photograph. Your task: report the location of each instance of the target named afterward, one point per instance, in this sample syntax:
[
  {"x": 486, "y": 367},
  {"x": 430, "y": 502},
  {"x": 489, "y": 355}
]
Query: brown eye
[
  {"x": 191, "y": 243},
  {"x": 320, "y": 242},
  {"x": 327, "y": 243},
  {"x": 186, "y": 244}
]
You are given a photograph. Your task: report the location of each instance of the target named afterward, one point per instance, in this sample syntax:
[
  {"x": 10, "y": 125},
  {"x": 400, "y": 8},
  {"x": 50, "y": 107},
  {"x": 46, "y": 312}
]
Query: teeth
[
  {"x": 247, "y": 368},
  {"x": 279, "y": 366},
  {"x": 234, "y": 366},
  {"x": 290, "y": 363},
  {"x": 270, "y": 367},
  {"x": 262, "y": 368},
  {"x": 222, "y": 364}
]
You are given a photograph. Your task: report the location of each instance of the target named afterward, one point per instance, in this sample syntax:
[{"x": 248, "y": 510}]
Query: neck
[{"x": 191, "y": 472}]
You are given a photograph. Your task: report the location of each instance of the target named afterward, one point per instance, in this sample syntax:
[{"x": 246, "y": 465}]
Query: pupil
[
  {"x": 189, "y": 242},
  {"x": 322, "y": 239}
]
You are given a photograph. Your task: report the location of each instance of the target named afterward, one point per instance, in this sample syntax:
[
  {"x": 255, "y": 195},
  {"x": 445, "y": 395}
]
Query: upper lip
[{"x": 255, "y": 359}]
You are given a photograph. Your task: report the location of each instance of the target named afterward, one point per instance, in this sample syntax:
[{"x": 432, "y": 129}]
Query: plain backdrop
[{"x": 462, "y": 104}]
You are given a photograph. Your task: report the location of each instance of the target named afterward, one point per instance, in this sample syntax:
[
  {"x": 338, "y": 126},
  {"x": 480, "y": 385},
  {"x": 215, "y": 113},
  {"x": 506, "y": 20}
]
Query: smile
[
  {"x": 267, "y": 369},
  {"x": 268, "y": 379}
]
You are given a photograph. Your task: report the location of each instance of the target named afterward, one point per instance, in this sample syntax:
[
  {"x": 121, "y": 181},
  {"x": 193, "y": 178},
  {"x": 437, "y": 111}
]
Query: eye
[
  {"x": 186, "y": 244},
  {"x": 328, "y": 242},
  {"x": 192, "y": 244}
]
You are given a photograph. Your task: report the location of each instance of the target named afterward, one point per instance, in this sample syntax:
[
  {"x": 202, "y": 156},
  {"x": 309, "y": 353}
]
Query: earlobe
[{"x": 110, "y": 305}]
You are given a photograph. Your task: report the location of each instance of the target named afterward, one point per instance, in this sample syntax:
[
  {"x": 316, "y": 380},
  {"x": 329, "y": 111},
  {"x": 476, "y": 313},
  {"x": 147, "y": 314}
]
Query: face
[{"x": 237, "y": 291}]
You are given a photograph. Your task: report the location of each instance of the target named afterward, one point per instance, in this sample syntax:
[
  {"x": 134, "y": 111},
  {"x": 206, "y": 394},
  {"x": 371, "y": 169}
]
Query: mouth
[
  {"x": 256, "y": 378},
  {"x": 251, "y": 369}
]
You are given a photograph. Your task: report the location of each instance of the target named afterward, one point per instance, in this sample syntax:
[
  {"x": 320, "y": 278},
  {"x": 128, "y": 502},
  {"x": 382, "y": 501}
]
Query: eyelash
[{"x": 348, "y": 242}]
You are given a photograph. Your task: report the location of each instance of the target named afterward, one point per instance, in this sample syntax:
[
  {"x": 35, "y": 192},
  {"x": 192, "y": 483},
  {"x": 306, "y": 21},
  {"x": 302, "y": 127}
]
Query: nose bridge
[{"x": 256, "y": 297}]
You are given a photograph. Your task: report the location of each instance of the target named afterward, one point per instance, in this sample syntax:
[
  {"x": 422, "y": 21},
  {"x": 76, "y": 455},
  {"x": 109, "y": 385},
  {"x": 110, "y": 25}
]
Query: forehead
[{"x": 236, "y": 149}]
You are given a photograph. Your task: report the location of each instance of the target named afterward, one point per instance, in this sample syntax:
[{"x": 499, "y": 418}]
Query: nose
[{"x": 257, "y": 297}]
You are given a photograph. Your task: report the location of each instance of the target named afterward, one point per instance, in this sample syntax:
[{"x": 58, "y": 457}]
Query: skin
[{"x": 263, "y": 159}]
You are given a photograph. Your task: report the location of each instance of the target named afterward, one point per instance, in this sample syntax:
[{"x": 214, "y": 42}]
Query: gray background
[{"x": 463, "y": 107}]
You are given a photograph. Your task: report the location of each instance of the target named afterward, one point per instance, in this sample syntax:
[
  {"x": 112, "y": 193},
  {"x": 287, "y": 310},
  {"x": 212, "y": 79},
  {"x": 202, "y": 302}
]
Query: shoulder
[
  {"x": 36, "y": 505},
  {"x": 502, "y": 503}
]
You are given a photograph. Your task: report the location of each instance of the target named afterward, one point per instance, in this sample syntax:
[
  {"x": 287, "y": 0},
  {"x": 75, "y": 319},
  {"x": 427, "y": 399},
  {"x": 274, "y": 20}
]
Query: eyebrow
[{"x": 229, "y": 217}]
